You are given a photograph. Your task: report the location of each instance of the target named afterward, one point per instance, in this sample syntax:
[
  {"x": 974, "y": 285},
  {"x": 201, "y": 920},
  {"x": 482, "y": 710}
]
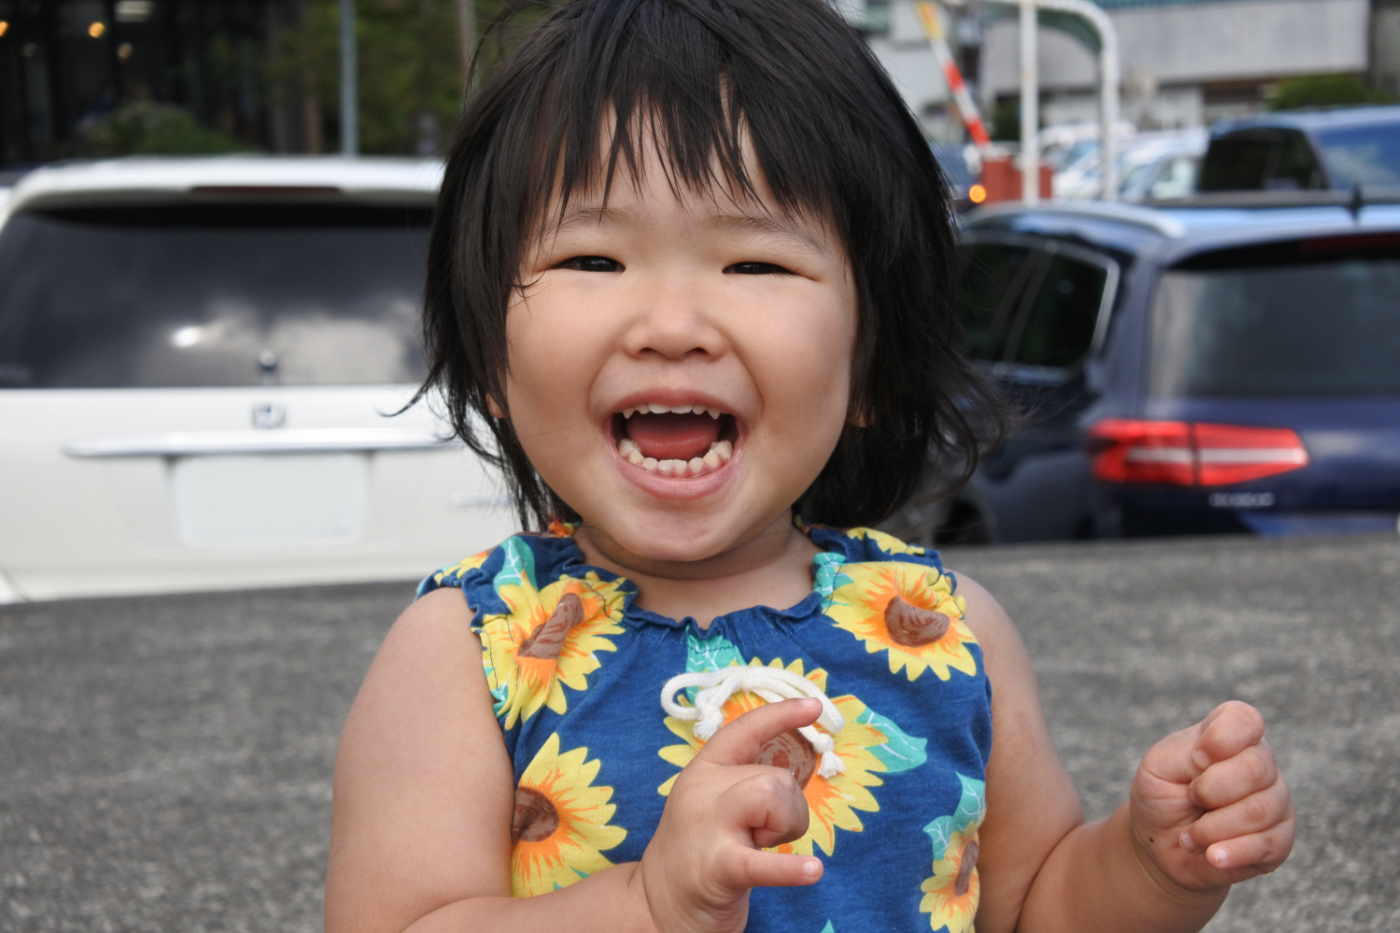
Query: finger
[
  {"x": 1256, "y": 813},
  {"x": 738, "y": 742},
  {"x": 1235, "y": 778},
  {"x": 1231, "y": 727},
  {"x": 1170, "y": 759},
  {"x": 754, "y": 868},
  {"x": 1256, "y": 853},
  {"x": 769, "y": 805}
]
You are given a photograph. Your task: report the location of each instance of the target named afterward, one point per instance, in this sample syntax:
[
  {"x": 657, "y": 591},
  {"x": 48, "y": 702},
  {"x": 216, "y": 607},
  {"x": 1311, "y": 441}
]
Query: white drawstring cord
[{"x": 773, "y": 685}]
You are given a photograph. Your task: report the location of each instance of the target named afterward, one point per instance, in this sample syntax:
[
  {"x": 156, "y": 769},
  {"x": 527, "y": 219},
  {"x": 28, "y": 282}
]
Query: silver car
[{"x": 201, "y": 361}]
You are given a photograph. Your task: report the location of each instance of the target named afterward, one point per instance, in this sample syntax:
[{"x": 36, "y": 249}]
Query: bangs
[{"x": 696, "y": 82}]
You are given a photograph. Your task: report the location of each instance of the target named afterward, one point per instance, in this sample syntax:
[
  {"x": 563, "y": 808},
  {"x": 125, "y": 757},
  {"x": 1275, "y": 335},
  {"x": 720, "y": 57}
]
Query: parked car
[
  {"x": 1149, "y": 166},
  {"x": 1305, "y": 151},
  {"x": 200, "y": 365},
  {"x": 1163, "y": 169},
  {"x": 1185, "y": 371}
]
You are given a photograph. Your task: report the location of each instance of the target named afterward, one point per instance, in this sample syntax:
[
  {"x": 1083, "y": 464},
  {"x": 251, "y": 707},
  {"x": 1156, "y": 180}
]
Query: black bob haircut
[{"x": 701, "y": 79}]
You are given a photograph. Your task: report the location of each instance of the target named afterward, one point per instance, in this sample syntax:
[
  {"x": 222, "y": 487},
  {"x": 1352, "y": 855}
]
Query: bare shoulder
[
  {"x": 990, "y": 624},
  {"x": 423, "y": 787},
  {"x": 440, "y": 621}
]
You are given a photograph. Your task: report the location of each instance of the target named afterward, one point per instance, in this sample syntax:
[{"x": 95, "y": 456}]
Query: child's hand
[
  {"x": 723, "y": 809},
  {"x": 1209, "y": 804}
]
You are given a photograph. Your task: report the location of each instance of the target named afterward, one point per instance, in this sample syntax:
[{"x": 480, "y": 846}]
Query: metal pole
[
  {"x": 349, "y": 82},
  {"x": 1108, "y": 107},
  {"x": 967, "y": 108},
  {"x": 1030, "y": 106},
  {"x": 1108, "y": 78}
]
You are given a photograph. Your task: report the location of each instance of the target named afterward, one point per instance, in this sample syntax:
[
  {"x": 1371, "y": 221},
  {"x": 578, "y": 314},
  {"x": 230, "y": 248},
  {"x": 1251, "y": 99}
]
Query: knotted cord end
[{"x": 831, "y": 765}]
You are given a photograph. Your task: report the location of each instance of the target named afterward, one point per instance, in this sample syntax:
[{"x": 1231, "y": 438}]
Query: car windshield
[
  {"x": 1362, "y": 155},
  {"x": 211, "y": 295},
  {"x": 1316, "y": 318}
]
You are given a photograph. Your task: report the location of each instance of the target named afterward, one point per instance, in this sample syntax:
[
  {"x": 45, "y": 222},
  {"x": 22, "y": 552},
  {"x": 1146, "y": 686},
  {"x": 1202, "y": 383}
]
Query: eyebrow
[{"x": 590, "y": 215}]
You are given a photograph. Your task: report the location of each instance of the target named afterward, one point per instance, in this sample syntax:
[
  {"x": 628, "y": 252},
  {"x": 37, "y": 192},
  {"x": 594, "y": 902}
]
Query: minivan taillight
[{"x": 1181, "y": 453}]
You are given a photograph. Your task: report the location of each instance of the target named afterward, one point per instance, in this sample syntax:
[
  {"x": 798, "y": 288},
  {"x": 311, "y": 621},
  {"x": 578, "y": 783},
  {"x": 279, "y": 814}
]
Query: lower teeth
[{"x": 717, "y": 456}]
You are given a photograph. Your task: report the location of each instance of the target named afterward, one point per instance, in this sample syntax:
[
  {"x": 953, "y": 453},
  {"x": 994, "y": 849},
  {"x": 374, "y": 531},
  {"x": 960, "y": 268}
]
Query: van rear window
[
  {"x": 1317, "y": 318},
  {"x": 212, "y": 295}
]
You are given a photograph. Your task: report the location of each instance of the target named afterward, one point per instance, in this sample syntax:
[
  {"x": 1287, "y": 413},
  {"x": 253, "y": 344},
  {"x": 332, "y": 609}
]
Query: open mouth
[{"x": 675, "y": 440}]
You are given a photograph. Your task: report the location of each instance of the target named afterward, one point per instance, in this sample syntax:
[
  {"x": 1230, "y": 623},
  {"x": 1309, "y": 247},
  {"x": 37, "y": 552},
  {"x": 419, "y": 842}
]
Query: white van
[{"x": 200, "y": 362}]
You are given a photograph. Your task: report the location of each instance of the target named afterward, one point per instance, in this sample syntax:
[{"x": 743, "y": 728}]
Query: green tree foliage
[
  {"x": 145, "y": 128},
  {"x": 410, "y": 69},
  {"x": 410, "y": 63},
  {"x": 1324, "y": 91},
  {"x": 501, "y": 24}
]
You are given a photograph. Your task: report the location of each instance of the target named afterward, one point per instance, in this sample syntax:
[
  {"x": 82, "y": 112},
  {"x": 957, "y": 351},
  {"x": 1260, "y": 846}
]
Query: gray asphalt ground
[{"x": 165, "y": 762}]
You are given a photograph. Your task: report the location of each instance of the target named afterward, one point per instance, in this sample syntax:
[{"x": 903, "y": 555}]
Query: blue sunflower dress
[{"x": 601, "y": 703}]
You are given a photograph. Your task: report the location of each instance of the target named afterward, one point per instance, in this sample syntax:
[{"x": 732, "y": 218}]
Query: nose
[{"x": 674, "y": 321}]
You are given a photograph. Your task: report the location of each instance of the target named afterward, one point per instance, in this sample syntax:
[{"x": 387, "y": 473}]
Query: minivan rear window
[
  {"x": 1317, "y": 318},
  {"x": 212, "y": 295},
  {"x": 1362, "y": 155}
]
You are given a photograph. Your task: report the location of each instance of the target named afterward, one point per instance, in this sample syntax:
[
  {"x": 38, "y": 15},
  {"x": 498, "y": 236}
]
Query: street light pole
[
  {"x": 349, "y": 82},
  {"x": 1030, "y": 106}
]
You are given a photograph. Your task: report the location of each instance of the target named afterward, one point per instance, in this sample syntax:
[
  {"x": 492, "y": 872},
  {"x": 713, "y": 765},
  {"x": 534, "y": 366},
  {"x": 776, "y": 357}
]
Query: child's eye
[
  {"x": 591, "y": 264},
  {"x": 757, "y": 268}
]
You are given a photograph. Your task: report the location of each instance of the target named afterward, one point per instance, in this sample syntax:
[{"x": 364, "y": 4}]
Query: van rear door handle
[{"x": 305, "y": 440}]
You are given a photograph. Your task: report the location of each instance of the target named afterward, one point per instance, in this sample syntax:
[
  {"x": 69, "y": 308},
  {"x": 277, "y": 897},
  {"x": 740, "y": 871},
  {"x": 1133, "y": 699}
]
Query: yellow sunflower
[
  {"x": 547, "y": 641},
  {"x": 461, "y": 567},
  {"x": 887, "y": 543},
  {"x": 908, "y": 610},
  {"x": 832, "y": 801},
  {"x": 560, "y": 829},
  {"x": 951, "y": 895}
]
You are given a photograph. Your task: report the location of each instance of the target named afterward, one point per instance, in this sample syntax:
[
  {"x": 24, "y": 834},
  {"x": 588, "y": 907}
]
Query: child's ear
[{"x": 494, "y": 407}]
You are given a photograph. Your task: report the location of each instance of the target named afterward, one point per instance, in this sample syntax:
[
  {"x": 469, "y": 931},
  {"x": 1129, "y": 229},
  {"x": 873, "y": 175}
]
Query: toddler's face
[{"x": 680, "y": 366}]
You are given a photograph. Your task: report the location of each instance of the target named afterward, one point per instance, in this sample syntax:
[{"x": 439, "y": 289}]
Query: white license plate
[{"x": 269, "y": 500}]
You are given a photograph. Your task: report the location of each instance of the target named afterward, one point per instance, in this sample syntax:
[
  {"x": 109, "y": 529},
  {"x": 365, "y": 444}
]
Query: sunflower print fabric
[
  {"x": 868, "y": 746},
  {"x": 559, "y": 830},
  {"x": 909, "y": 612},
  {"x": 576, "y": 669}
]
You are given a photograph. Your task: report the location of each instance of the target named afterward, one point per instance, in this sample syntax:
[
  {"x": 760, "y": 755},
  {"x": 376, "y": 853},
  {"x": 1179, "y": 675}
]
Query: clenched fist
[{"x": 1208, "y": 804}]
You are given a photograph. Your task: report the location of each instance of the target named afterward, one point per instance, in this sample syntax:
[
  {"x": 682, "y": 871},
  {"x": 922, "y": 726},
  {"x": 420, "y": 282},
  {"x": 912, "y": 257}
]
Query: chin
[{"x": 679, "y": 536}]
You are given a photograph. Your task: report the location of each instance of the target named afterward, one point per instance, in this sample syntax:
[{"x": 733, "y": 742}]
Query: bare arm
[
  {"x": 424, "y": 795},
  {"x": 1044, "y": 870}
]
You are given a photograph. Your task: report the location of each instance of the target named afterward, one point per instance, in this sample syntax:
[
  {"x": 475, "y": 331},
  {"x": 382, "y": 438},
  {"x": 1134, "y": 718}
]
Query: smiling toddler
[{"x": 692, "y": 288}]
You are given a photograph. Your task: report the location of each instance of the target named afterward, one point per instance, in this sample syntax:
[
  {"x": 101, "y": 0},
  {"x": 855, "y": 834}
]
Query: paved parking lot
[{"x": 165, "y": 762}]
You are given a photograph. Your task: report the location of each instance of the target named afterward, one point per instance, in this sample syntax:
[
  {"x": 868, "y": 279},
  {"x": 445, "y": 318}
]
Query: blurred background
[
  {"x": 92, "y": 78},
  {"x": 1181, "y": 261}
]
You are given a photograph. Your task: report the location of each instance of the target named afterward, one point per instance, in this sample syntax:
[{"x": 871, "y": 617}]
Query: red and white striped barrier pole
[{"x": 933, "y": 28}]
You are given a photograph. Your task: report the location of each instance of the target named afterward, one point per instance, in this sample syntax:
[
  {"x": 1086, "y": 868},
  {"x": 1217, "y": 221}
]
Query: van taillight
[{"x": 1181, "y": 453}]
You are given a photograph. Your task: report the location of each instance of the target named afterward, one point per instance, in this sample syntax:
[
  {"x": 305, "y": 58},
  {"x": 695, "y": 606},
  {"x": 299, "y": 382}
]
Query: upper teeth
[{"x": 656, "y": 409}]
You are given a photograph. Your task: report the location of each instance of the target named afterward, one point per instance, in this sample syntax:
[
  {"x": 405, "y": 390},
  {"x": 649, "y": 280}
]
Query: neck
[{"x": 773, "y": 568}]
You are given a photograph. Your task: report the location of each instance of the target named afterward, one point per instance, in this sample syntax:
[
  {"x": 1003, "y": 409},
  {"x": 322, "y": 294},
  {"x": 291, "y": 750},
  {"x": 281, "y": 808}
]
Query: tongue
[{"x": 673, "y": 436}]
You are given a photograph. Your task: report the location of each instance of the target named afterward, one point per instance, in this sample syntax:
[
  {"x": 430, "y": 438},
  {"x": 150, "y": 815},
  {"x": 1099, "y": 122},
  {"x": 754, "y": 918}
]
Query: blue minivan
[
  {"x": 1190, "y": 369},
  {"x": 1338, "y": 150}
]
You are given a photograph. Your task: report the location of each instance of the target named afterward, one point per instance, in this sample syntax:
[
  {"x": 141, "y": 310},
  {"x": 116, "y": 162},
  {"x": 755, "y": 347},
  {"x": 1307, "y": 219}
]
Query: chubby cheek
[
  {"x": 807, "y": 387},
  {"x": 547, "y": 382}
]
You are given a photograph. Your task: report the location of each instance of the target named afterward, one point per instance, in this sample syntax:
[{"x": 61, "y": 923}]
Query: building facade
[
  {"x": 66, "y": 64},
  {"x": 1185, "y": 63}
]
